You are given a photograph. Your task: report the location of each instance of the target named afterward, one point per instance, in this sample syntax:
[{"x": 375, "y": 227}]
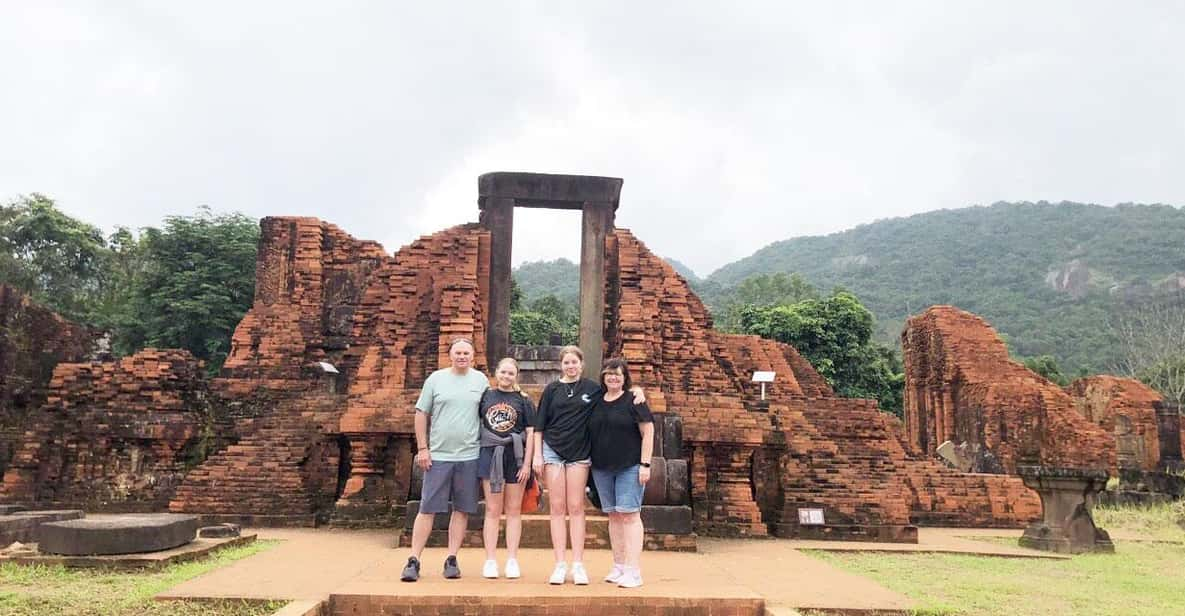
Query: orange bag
[{"x": 531, "y": 495}]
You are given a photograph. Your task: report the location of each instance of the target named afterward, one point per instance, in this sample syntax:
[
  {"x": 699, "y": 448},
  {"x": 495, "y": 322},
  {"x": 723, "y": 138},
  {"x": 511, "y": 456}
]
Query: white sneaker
[
  {"x": 631, "y": 578},
  {"x": 579, "y": 575},
  {"x": 559, "y": 573},
  {"x": 512, "y": 570},
  {"x": 490, "y": 569},
  {"x": 614, "y": 575}
]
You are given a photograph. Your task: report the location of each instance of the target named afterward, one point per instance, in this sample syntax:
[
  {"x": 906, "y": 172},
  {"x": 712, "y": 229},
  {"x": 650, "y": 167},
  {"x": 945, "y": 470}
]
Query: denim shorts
[
  {"x": 551, "y": 457},
  {"x": 620, "y": 491}
]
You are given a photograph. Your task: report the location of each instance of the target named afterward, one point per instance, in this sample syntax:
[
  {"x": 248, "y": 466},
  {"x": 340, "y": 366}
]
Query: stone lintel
[{"x": 548, "y": 190}]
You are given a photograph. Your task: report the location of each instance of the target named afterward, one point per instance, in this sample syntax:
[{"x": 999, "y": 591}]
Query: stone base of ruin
[
  {"x": 118, "y": 534},
  {"x": 21, "y": 526},
  {"x": 1067, "y": 496},
  {"x": 191, "y": 551},
  {"x": 850, "y": 532},
  {"x": 366, "y": 515},
  {"x": 257, "y": 520}
]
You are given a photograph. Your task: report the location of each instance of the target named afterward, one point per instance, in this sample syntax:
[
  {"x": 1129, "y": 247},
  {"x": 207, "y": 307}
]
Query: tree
[
  {"x": 57, "y": 259},
  {"x": 197, "y": 283},
  {"x": 532, "y": 328},
  {"x": 1152, "y": 341},
  {"x": 764, "y": 290},
  {"x": 1046, "y": 366},
  {"x": 835, "y": 335}
]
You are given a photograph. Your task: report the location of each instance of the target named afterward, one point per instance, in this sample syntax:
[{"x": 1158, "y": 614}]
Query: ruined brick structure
[
  {"x": 33, "y": 339},
  {"x": 1125, "y": 408},
  {"x": 961, "y": 386},
  {"x": 113, "y": 436},
  {"x": 312, "y": 414}
]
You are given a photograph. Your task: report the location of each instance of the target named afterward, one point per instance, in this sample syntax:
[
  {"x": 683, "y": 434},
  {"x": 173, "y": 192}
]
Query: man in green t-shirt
[{"x": 447, "y": 426}]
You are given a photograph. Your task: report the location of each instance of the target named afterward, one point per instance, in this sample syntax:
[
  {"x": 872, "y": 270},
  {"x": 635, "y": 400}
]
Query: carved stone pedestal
[{"x": 1067, "y": 496}]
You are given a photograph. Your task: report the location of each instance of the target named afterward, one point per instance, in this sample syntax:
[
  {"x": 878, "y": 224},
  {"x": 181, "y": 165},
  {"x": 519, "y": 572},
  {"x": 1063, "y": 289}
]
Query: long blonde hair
[{"x": 514, "y": 363}]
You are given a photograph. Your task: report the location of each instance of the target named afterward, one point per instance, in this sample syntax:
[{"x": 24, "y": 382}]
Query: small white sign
[
  {"x": 763, "y": 377},
  {"x": 810, "y": 517},
  {"x": 327, "y": 367}
]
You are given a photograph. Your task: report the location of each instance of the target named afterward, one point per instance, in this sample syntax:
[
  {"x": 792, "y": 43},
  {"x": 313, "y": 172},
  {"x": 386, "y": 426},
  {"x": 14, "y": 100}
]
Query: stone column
[
  {"x": 1168, "y": 428},
  {"x": 1067, "y": 496},
  {"x": 498, "y": 217},
  {"x": 597, "y": 220}
]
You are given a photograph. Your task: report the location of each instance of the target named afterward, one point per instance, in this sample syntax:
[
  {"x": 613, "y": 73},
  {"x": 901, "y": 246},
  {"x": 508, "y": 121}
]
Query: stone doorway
[{"x": 597, "y": 199}]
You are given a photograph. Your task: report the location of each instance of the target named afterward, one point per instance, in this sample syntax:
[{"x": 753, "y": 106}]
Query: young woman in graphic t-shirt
[
  {"x": 561, "y": 457},
  {"x": 503, "y": 464}
]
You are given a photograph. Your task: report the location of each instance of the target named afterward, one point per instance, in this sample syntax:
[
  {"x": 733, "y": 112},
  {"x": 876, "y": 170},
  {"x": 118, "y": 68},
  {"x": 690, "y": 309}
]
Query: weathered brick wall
[
  {"x": 294, "y": 442},
  {"x": 1125, "y": 408},
  {"x": 961, "y": 385},
  {"x": 33, "y": 339},
  {"x": 384, "y": 322},
  {"x": 113, "y": 436}
]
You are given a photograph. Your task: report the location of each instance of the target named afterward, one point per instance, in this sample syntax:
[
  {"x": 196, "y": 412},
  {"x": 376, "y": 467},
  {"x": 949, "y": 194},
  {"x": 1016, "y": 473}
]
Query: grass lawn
[
  {"x": 1140, "y": 578},
  {"x": 41, "y": 591}
]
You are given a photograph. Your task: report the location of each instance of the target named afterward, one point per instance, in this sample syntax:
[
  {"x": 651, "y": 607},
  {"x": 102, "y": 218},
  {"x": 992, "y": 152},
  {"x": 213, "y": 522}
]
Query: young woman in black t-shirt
[
  {"x": 621, "y": 433},
  {"x": 562, "y": 459},
  {"x": 504, "y": 463}
]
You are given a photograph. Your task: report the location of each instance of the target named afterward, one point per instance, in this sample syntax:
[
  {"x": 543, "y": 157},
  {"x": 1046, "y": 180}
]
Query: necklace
[{"x": 571, "y": 387}]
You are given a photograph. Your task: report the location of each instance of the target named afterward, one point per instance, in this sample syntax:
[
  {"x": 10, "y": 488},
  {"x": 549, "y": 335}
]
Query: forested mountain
[
  {"x": 560, "y": 278},
  {"x": 1050, "y": 277}
]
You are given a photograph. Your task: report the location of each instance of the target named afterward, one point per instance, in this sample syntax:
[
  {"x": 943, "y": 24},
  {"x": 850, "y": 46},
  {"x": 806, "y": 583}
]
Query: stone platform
[
  {"x": 117, "y": 534},
  {"x": 193, "y": 550},
  {"x": 357, "y": 572},
  {"x": 17, "y": 525}
]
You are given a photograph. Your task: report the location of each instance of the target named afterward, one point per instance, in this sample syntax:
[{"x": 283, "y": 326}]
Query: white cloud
[{"x": 732, "y": 127}]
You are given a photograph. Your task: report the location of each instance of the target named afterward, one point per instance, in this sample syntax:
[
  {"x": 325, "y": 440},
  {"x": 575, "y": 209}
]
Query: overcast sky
[{"x": 734, "y": 124}]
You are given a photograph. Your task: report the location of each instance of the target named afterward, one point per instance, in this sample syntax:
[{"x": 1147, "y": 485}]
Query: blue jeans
[{"x": 620, "y": 491}]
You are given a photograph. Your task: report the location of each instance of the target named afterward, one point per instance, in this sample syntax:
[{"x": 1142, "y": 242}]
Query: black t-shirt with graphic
[
  {"x": 563, "y": 417},
  {"x": 614, "y": 434},
  {"x": 505, "y": 412}
]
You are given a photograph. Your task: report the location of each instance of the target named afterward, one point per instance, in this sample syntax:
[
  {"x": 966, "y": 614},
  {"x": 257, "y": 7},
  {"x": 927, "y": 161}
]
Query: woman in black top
[
  {"x": 621, "y": 434},
  {"x": 504, "y": 463},
  {"x": 561, "y": 457}
]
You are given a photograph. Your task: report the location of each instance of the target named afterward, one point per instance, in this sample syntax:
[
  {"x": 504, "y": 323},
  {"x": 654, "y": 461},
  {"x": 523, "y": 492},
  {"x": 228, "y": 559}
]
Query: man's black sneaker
[
  {"x": 451, "y": 570},
  {"x": 411, "y": 572}
]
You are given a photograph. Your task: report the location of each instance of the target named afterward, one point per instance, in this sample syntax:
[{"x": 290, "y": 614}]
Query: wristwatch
[{"x": 645, "y": 464}]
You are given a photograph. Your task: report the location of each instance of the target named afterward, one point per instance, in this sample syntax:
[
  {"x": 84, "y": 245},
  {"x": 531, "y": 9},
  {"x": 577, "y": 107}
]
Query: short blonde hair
[{"x": 459, "y": 340}]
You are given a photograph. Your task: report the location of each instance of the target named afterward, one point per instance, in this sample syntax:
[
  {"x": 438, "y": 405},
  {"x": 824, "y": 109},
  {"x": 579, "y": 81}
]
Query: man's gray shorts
[{"x": 446, "y": 482}]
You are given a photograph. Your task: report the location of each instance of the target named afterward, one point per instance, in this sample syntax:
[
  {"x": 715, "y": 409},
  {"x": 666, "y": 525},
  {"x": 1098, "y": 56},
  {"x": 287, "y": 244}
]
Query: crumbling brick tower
[
  {"x": 33, "y": 339},
  {"x": 961, "y": 386}
]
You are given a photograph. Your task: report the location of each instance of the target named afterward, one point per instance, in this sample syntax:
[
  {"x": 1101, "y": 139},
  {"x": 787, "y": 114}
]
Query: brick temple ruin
[{"x": 310, "y": 419}]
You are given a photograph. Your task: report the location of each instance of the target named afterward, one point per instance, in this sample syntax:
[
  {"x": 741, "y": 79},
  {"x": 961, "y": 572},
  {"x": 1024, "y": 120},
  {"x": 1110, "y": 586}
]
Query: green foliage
[
  {"x": 835, "y": 335},
  {"x": 532, "y": 327},
  {"x": 184, "y": 286},
  {"x": 992, "y": 261},
  {"x": 547, "y": 315},
  {"x": 516, "y": 295},
  {"x": 198, "y": 283},
  {"x": 763, "y": 290},
  {"x": 560, "y": 278},
  {"x": 1046, "y": 366},
  {"x": 57, "y": 259}
]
